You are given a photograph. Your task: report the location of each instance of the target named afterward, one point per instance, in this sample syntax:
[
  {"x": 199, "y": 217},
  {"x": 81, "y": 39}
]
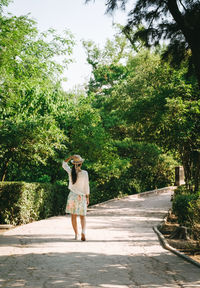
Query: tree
[
  {"x": 160, "y": 107},
  {"x": 173, "y": 20},
  {"x": 28, "y": 141},
  {"x": 30, "y": 93},
  {"x": 108, "y": 64},
  {"x": 145, "y": 164},
  {"x": 27, "y": 63}
]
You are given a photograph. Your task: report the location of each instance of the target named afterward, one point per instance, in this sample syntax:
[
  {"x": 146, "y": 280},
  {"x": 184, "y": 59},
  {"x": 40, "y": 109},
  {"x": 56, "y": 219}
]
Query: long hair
[{"x": 74, "y": 175}]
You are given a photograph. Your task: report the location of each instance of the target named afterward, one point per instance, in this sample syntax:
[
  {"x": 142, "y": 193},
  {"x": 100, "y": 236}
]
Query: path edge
[{"x": 172, "y": 249}]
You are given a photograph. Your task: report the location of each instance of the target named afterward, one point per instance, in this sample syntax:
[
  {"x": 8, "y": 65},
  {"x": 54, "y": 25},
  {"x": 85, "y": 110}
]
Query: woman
[{"x": 78, "y": 198}]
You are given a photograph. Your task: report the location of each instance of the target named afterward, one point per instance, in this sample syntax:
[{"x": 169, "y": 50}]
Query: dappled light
[
  {"x": 135, "y": 123},
  {"x": 121, "y": 250}
]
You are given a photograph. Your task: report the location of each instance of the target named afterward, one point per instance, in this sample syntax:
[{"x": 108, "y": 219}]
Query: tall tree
[
  {"x": 30, "y": 91},
  {"x": 161, "y": 107},
  {"x": 107, "y": 86},
  {"x": 108, "y": 64},
  {"x": 178, "y": 21}
]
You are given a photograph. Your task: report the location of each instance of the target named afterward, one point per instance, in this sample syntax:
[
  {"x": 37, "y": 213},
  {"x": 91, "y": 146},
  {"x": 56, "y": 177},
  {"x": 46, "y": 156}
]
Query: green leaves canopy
[
  {"x": 172, "y": 20},
  {"x": 30, "y": 85}
]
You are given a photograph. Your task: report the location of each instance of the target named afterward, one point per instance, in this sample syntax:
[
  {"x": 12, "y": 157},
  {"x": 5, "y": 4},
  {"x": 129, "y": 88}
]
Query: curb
[
  {"x": 156, "y": 191},
  {"x": 142, "y": 194},
  {"x": 173, "y": 250},
  {"x": 6, "y": 226}
]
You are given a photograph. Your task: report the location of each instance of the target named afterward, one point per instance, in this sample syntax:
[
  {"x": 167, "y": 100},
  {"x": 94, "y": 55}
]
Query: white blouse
[{"x": 82, "y": 183}]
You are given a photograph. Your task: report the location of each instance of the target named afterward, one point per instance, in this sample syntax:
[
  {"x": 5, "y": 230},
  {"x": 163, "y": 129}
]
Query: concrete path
[{"x": 121, "y": 250}]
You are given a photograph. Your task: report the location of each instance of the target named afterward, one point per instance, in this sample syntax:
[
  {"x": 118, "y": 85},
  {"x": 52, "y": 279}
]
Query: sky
[{"x": 85, "y": 21}]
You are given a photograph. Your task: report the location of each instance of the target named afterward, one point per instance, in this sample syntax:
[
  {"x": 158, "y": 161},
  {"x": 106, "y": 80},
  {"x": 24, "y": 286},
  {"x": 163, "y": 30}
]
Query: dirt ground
[{"x": 189, "y": 247}]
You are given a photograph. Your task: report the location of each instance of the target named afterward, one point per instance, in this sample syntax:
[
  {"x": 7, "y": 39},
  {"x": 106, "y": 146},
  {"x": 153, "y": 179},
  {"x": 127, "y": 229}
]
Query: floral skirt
[{"x": 76, "y": 204}]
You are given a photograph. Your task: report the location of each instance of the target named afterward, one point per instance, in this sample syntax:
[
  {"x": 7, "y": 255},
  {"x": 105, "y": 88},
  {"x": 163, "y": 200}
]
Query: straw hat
[{"x": 77, "y": 159}]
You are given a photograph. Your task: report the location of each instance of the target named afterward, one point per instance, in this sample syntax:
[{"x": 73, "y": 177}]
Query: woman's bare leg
[
  {"x": 83, "y": 226},
  {"x": 74, "y": 224}
]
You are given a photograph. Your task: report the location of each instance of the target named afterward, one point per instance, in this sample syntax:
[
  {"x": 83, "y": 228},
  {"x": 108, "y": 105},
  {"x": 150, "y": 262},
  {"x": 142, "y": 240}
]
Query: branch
[
  {"x": 182, "y": 5},
  {"x": 154, "y": 16},
  {"x": 176, "y": 14}
]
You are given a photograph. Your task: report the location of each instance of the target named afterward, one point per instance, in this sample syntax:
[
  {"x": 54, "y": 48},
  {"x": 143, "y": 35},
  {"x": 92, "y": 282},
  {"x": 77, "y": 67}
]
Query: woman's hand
[
  {"x": 88, "y": 200},
  {"x": 69, "y": 158}
]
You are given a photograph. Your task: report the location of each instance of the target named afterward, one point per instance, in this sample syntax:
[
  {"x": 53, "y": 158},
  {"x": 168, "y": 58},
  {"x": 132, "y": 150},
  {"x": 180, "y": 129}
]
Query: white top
[{"x": 82, "y": 183}]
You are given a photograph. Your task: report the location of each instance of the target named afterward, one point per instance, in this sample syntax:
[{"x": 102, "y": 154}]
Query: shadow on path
[
  {"x": 61, "y": 270},
  {"x": 122, "y": 251}
]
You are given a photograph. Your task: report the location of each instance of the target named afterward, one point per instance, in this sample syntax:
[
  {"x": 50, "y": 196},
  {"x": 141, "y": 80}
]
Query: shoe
[
  {"x": 83, "y": 237},
  {"x": 76, "y": 237}
]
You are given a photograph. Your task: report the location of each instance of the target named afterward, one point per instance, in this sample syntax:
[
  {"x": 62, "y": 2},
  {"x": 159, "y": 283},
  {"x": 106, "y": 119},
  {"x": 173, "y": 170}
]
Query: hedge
[{"x": 22, "y": 202}]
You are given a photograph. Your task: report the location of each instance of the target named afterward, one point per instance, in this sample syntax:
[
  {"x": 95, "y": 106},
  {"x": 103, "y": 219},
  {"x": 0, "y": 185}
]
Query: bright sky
[{"x": 88, "y": 22}]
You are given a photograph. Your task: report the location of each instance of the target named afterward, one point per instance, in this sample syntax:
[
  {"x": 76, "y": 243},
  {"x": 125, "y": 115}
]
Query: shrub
[
  {"x": 181, "y": 206},
  {"x": 21, "y": 202},
  {"x": 181, "y": 190},
  {"x": 99, "y": 193},
  {"x": 195, "y": 209}
]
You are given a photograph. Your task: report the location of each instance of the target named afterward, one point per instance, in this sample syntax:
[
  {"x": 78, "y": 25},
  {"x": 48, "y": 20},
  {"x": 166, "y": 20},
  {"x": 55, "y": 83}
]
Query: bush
[
  {"x": 194, "y": 210},
  {"x": 113, "y": 188},
  {"x": 181, "y": 206},
  {"x": 21, "y": 202},
  {"x": 181, "y": 190},
  {"x": 100, "y": 194}
]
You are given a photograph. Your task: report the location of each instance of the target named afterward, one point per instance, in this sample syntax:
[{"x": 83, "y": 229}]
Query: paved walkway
[{"x": 121, "y": 250}]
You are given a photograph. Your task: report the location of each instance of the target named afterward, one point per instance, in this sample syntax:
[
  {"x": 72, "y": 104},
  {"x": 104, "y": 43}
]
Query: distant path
[{"x": 122, "y": 250}]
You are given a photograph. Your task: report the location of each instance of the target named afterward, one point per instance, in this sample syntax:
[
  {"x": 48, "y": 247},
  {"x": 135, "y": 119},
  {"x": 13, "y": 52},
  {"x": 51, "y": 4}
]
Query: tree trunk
[
  {"x": 191, "y": 30},
  {"x": 196, "y": 170},
  {"x": 193, "y": 40},
  {"x": 4, "y": 171},
  {"x": 191, "y": 165},
  {"x": 7, "y": 158},
  {"x": 187, "y": 166},
  {"x": 180, "y": 232}
]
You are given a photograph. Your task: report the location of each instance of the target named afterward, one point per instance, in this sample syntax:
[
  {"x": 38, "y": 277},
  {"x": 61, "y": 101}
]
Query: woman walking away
[{"x": 78, "y": 198}]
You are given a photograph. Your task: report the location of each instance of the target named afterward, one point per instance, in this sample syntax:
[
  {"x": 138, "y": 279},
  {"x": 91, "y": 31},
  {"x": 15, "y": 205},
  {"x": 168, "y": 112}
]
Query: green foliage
[
  {"x": 30, "y": 95},
  {"x": 194, "y": 211},
  {"x": 149, "y": 166},
  {"x": 108, "y": 64},
  {"x": 161, "y": 107},
  {"x": 181, "y": 190},
  {"x": 185, "y": 206},
  {"x": 99, "y": 194},
  {"x": 146, "y": 165},
  {"x": 176, "y": 21},
  {"x": 21, "y": 202},
  {"x": 123, "y": 126},
  {"x": 29, "y": 140},
  {"x": 87, "y": 129},
  {"x": 181, "y": 206},
  {"x": 29, "y": 74}
]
